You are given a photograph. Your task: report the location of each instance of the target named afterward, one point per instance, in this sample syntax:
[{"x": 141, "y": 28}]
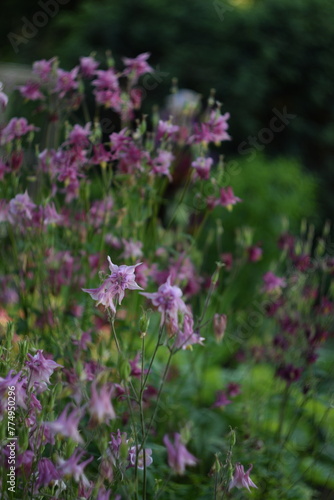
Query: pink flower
[
  {"x": 166, "y": 130},
  {"x": 43, "y": 68},
  {"x": 221, "y": 400},
  {"x": 132, "y": 249},
  {"x": 72, "y": 468},
  {"x": 202, "y": 167},
  {"x": 109, "y": 99},
  {"x": 272, "y": 282},
  {"x": 227, "y": 198},
  {"x": 88, "y": 66},
  {"x": 254, "y": 253},
  {"x": 106, "y": 80},
  {"x": 219, "y": 326},
  {"x": 168, "y": 301},
  {"x": 178, "y": 455},
  {"x": 120, "y": 279},
  {"x": 162, "y": 163},
  {"x": 41, "y": 368},
  {"x": 140, "y": 463},
  {"x": 67, "y": 424},
  {"x": 66, "y": 81},
  {"x": 78, "y": 136},
  {"x": 214, "y": 130},
  {"x": 16, "y": 128},
  {"x": 51, "y": 216},
  {"x": 233, "y": 389},
  {"x": 31, "y": 91},
  {"x": 187, "y": 337},
  {"x": 100, "y": 407},
  {"x": 100, "y": 155},
  {"x": 241, "y": 478},
  {"x": 3, "y": 98},
  {"x": 47, "y": 473},
  {"x": 21, "y": 209},
  {"x": 137, "y": 66}
]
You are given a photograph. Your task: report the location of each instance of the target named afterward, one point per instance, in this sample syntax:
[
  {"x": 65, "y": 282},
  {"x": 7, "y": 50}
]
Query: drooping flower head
[
  {"x": 227, "y": 198},
  {"x": 147, "y": 453},
  {"x": 101, "y": 408},
  {"x": 72, "y": 468},
  {"x": 241, "y": 478},
  {"x": 178, "y": 455},
  {"x": 121, "y": 278},
  {"x": 137, "y": 66},
  {"x": 168, "y": 301},
  {"x": 41, "y": 368},
  {"x": 67, "y": 424}
]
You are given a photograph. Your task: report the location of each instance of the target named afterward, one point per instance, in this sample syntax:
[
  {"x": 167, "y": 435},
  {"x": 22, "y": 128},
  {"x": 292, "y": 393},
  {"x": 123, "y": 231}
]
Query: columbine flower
[
  {"x": 21, "y": 209},
  {"x": 221, "y": 400},
  {"x": 254, "y": 253},
  {"x": 47, "y": 473},
  {"x": 100, "y": 406},
  {"x": 186, "y": 337},
  {"x": 66, "y": 81},
  {"x": 140, "y": 462},
  {"x": 219, "y": 326},
  {"x": 227, "y": 198},
  {"x": 137, "y": 66},
  {"x": 41, "y": 368},
  {"x": 16, "y": 128},
  {"x": 272, "y": 282},
  {"x": 31, "y": 91},
  {"x": 241, "y": 478},
  {"x": 88, "y": 66},
  {"x": 178, "y": 455},
  {"x": 168, "y": 301},
  {"x": 202, "y": 167},
  {"x": 43, "y": 68},
  {"x": 121, "y": 278},
  {"x": 67, "y": 424},
  {"x": 72, "y": 468},
  {"x": 162, "y": 163},
  {"x": 132, "y": 249},
  {"x": 166, "y": 130},
  {"x": 3, "y": 97}
]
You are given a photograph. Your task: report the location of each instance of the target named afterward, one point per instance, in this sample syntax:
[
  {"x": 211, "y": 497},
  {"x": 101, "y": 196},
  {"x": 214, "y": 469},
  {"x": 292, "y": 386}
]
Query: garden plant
[{"x": 129, "y": 366}]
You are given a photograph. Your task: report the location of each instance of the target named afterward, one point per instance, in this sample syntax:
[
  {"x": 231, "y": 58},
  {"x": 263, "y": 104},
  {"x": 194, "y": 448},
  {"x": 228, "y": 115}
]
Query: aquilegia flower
[
  {"x": 121, "y": 278},
  {"x": 241, "y": 478},
  {"x": 272, "y": 282},
  {"x": 168, "y": 301},
  {"x": 178, "y": 455}
]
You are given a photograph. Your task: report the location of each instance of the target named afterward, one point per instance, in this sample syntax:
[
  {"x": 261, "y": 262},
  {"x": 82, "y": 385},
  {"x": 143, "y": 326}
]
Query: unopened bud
[
  {"x": 215, "y": 275},
  {"x": 144, "y": 322},
  {"x": 219, "y": 326}
]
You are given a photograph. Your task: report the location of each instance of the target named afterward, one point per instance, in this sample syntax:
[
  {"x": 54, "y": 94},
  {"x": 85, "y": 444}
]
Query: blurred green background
[{"x": 260, "y": 56}]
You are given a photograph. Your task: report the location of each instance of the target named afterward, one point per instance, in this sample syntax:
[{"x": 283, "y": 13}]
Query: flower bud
[
  {"x": 219, "y": 326},
  {"x": 144, "y": 322}
]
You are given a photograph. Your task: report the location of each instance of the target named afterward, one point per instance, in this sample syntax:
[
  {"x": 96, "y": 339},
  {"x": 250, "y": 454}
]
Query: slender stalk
[
  {"x": 163, "y": 380},
  {"x": 285, "y": 399}
]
